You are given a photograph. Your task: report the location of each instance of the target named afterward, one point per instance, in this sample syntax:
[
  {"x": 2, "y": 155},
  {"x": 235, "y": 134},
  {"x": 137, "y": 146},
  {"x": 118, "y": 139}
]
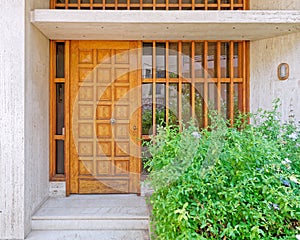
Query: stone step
[
  {"x": 90, "y": 235},
  {"x": 90, "y": 224},
  {"x": 93, "y": 212}
]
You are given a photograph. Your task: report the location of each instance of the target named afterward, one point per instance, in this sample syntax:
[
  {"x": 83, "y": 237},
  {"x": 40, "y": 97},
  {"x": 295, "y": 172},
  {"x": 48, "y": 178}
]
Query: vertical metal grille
[
  {"x": 192, "y": 78},
  {"x": 151, "y": 4}
]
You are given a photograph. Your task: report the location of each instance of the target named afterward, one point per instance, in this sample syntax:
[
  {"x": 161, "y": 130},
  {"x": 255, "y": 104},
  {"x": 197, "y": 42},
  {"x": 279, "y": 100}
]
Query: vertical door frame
[{"x": 53, "y": 176}]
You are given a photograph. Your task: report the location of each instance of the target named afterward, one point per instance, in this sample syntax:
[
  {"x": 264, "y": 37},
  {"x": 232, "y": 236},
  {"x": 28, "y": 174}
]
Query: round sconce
[{"x": 283, "y": 71}]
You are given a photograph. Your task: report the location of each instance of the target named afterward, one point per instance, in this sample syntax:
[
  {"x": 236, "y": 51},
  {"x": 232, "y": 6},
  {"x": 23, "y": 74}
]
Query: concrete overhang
[{"x": 164, "y": 25}]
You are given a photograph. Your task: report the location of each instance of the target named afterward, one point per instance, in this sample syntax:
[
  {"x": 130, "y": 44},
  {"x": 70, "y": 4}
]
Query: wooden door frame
[{"x": 52, "y": 109}]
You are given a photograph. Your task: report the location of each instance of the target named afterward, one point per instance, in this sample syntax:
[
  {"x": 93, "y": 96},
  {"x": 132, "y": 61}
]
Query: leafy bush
[{"x": 225, "y": 183}]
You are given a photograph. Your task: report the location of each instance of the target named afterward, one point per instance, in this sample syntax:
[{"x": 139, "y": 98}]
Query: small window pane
[
  {"x": 173, "y": 104},
  {"x": 160, "y": 60},
  {"x": 186, "y": 60},
  {"x": 60, "y": 108},
  {"x": 237, "y": 60},
  {"x": 225, "y": 60},
  {"x": 160, "y": 1},
  {"x": 160, "y": 104},
  {"x": 212, "y": 60},
  {"x": 147, "y": 111},
  {"x": 147, "y": 60},
  {"x": 173, "y": 60},
  {"x": 60, "y": 60},
  {"x": 237, "y": 98},
  {"x": 199, "y": 57},
  {"x": 225, "y": 100},
  {"x": 212, "y": 96},
  {"x": 199, "y": 103},
  {"x": 186, "y": 102},
  {"x": 60, "y": 157}
]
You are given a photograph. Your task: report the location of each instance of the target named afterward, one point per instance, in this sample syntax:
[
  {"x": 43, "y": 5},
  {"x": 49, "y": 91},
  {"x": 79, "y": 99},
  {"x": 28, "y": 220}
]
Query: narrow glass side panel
[
  {"x": 173, "y": 104},
  {"x": 237, "y": 65},
  {"x": 199, "y": 57},
  {"x": 186, "y": 60},
  {"x": 173, "y": 60},
  {"x": 60, "y": 157},
  {"x": 160, "y": 60},
  {"x": 147, "y": 60},
  {"x": 212, "y": 96},
  {"x": 237, "y": 99},
  {"x": 60, "y": 108},
  {"x": 186, "y": 102},
  {"x": 212, "y": 60},
  {"x": 225, "y": 60},
  {"x": 225, "y": 100},
  {"x": 147, "y": 109},
  {"x": 60, "y": 60},
  {"x": 160, "y": 104},
  {"x": 199, "y": 103}
]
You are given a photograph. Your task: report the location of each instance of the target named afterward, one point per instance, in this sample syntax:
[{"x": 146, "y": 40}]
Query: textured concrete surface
[
  {"x": 275, "y": 4},
  {"x": 36, "y": 115},
  {"x": 266, "y": 55},
  {"x": 89, "y": 235},
  {"x": 92, "y": 216},
  {"x": 165, "y": 25},
  {"x": 12, "y": 114},
  {"x": 112, "y": 206}
]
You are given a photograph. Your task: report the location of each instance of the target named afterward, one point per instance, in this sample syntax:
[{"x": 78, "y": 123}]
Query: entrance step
[
  {"x": 89, "y": 235},
  {"x": 86, "y": 216}
]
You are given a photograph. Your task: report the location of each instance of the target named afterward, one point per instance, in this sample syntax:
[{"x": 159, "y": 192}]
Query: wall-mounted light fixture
[{"x": 283, "y": 71}]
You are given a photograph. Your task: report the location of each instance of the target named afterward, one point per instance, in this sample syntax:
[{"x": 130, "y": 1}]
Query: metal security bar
[{"x": 150, "y": 4}]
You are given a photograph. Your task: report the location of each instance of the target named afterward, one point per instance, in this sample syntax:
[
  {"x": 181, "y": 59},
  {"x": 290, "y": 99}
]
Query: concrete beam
[{"x": 164, "y": 25}]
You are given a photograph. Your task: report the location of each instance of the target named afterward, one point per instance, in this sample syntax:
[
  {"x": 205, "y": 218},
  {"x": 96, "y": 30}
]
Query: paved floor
[
  {"x": 107, "y": 217},
  {"x": 94, "y": 206},
  {"x": 88, "y": 235}
]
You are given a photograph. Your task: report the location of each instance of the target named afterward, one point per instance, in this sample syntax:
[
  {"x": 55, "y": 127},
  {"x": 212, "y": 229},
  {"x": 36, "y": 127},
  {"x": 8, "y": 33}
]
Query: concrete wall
[
  {"x": 24, "y": 117},
  {"x": 36, "y": 115},
  {"x": 266, "y": 55},
  {"x": 12, "y": 109},
  {"x": 274, "y": 4}
]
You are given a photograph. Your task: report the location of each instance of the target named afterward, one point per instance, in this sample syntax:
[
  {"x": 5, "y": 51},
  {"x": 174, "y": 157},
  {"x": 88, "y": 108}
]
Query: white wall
[
  {"x": 274, "y": 4},
  {"x": 265, "y": 56},
  {"x": 12, "y": 119},
  {"x": 36, "y": 115},
  {"x": 24, "y": 117}
]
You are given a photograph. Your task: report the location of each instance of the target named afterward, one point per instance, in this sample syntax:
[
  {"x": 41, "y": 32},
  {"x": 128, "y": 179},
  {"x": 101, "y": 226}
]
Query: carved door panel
[{"x": 105, "y": 117}]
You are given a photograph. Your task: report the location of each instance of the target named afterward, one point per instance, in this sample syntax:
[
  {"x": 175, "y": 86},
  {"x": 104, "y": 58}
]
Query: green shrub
[{"x": 225, "y": 183}]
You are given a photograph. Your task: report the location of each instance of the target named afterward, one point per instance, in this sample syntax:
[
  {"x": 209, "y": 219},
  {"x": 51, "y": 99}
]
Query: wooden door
[{"x": 105, "y": 117}]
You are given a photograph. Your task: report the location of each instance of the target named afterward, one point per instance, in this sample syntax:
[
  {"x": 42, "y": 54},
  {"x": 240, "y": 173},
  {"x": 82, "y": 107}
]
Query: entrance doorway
[{"x": 108, "y": 96}]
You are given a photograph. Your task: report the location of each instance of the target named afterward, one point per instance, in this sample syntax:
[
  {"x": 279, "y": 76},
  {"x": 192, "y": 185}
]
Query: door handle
[
  {"x": 112, "y": 121},
  {"x": 134, "y": 128}
]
